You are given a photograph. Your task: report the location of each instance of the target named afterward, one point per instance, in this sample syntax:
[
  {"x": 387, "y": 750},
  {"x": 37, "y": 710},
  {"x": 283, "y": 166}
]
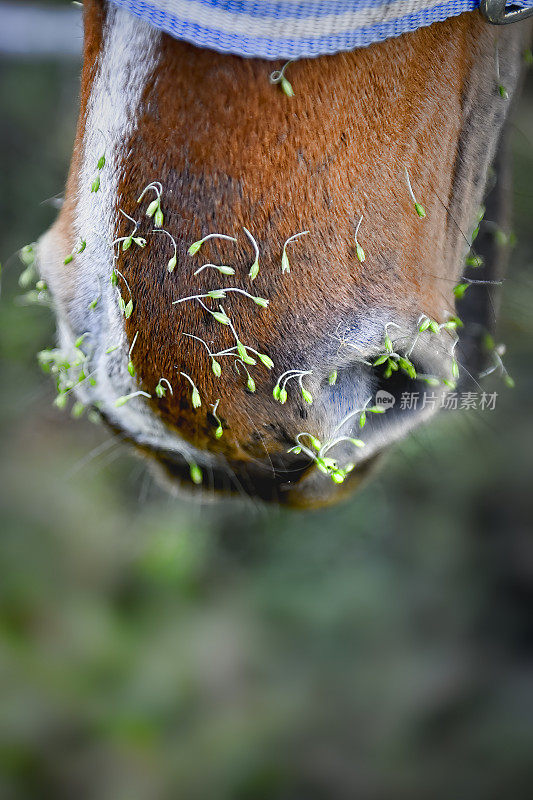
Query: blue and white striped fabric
[{"x": 291, "y": 29}]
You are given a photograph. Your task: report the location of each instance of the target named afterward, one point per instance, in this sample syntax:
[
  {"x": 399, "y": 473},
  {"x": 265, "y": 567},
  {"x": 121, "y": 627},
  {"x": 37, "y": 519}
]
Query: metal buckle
[{"x": 496, "y": 12}]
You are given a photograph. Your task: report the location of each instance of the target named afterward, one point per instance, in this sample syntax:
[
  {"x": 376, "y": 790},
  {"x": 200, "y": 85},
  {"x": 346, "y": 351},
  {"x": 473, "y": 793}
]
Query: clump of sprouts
[
  {"x": 29, "y": 275},
  {"x": 280, "y": 392},
  {"x": 81, "y": 247},
  {"x": 317, "y": 451},
  {"x": 125, "y": 308},
  {"x": 154, "y": 210}
]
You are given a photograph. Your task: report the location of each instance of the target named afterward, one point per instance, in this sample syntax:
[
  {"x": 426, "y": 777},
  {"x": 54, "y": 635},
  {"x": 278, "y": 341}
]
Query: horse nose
[{"x": 373, "y": 400}]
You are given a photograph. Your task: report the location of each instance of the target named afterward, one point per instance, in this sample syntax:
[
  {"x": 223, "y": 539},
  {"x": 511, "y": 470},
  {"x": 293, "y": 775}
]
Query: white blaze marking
[{"x": 127, "y": 61}]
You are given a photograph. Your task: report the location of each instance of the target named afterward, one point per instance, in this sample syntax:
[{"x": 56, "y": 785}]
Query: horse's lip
[
  {"x": 300, "y": 487},
  {"x": 249, "y": 479},
  {"x": 297, "y": 485}
]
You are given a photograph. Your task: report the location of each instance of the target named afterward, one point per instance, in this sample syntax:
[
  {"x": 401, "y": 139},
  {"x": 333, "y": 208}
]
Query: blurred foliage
[{"x": 152, "y": 647}]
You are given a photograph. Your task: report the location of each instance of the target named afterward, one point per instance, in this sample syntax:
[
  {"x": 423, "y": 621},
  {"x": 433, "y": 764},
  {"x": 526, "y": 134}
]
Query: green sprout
[
  {"x": 278, "y": 77},
  {"x": 250, "y": 383},
  {"x": 121, "y": 401},
  {"x": 95, "y": 185},
  {"x": 502, "y": 91},
  {"x": 332, "y": 377},
  {"x": 131, "y": 368},
  {"x": 161, "y": 390},
  {"x": 171, "y": 264},
  {"x": 29, "y": 275},
  {"x": 220, "y": 315},
  {"x": 474, "y": 261},
  {"x": 280, "y": 392},
  {"x": 285, "y": 266},
  {"x": 125, "y": 308},
  {"x": 420, "y": 210},
  {"x": 101, "y": 163},
  {"x": 220, "y": 294},
  {"x": 460, "y": 289},
  {"x": 254, "y": 269},
  {"x": 222, "y": 268},
  {"x": 242, "y": 351},
  {"x": 196, "y": 473},
  {"x": 81, "y": 248},
  {"x": 154, "y": 208},
  {"x": 480, "y": 215},
  {"x": 317, "y": 451},
  {"x": 128, "y": 240},
  {"x": 195, "y": 395},
  {"x": 328, "y": 466},
  {"x": 219, "y": 430},
  {"x": 215, "y": 366},
  {"x": 195, "y": 246},
  {"x": 358, "y": 249},
  {"x": 392, "y": 360},
  {"x": 68, "y": 373},
  {"x": 77, "y": 409},
  {"x": 496, "y": 352}
]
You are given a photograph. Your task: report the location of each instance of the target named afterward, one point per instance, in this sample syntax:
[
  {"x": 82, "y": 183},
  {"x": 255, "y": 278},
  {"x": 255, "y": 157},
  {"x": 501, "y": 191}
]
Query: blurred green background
[{"x": 152, "y": 647}]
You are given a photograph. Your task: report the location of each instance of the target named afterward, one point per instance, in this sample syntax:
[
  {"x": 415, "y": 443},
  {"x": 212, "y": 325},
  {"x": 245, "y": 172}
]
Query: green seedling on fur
[
  {"x": 195, "y": 394},
  {"x": 215, "y": 366},
  {"x": 121, "y": 401},
  {"x": 285, "y": 266},
  {"x": 254, "y": 269},
  {"x": 125, "y": 308},
  {"x": 195, "y": 246},
  {"x": 219, "y": 430},
  {"x": 420, "y": 210},
  {"x": 81, "y": 248},
  {"x": 196, "y": 473},
  {"x": 154, "y": 208},
  {"x": 222, "y": 268},
  {"x": 497, "y": 351},
  {"x": 358, "y": 249},
  {"x": 171, "y": 264},
  {"x": 280, "y": 392},
  {"x": 278, "y": 77},
  {"x": 318, "y": 453},
  {"x": 131, "y": 368},
  {"x": 220, "y": 294},
  {"x": 502, "y": 91},
  {"x": 161, "y": 390},
  {"x": 250, "y": 383}
]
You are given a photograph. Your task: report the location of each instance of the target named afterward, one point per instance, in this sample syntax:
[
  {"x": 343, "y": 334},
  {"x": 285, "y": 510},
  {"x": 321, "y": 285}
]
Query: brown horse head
[{"x": 247, "y": 270}]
